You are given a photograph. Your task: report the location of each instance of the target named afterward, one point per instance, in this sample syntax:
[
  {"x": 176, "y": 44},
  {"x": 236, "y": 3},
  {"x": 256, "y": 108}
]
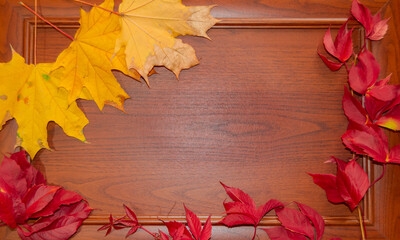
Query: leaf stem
[
  {"x": 46, "y": 21},
  {"x": 94, "y": 5},
  {"x": 35, "y": 44},
  {"x": 152, "y": 234},
  {"x": 361, "y": 223},
  {"x": 255, "y": 231},
  {"x": 347, "y": 68},
  {"x": 380, "y": 177}
]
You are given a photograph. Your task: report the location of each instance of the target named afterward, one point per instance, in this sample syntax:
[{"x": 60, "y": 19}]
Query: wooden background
[{"x": 259, "y": 112}]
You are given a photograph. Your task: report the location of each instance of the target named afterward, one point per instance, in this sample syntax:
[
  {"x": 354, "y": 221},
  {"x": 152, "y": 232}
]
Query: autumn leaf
[
  {"x": 31, "y": 95},
  {"x": 149, "y": 28},
  {"x": 25, "y": 196},
  {"x": 375, "y": 27},
  {"x": 365, "y": 73},
  {"x": 195, "y": 226},
  {"x": 243, "y": 210},
  {"x": 89, "y": 59},
  {"x": 341, "y": 49},
  {"x": 348, "y": 186},
  {"x": 371, "y": 141}
]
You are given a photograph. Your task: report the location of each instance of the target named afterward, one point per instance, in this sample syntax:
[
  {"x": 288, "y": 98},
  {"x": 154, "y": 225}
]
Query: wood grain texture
[{"x": 258, "y": 112}]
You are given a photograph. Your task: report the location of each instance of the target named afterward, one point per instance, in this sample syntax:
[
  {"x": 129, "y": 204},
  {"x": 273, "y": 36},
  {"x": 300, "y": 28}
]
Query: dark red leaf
[
  {"x": 38, "y": 197},
  {"x": 62, "y": 197},
  {"x": 314, "y": 217},
  {"x": 333, "y": 66},
  {"x": 12, "y": 210},
  {"x": 131, "y": 215},
  {"x": 60, "y": 226},
  {"x": 280, "y": 233},
  {"x": 365, "y": 73},
  {"x": 193, "y": 223},
  {"x": 295, "y": 221},
  {"x": 207, "y": 230}
]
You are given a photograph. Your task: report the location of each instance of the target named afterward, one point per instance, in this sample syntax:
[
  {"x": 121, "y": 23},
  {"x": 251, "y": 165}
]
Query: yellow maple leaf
[
  {"x": 89, "y": 59},
  {"x": 149, "y": 28},
  {"x": 32, "y": 96}
]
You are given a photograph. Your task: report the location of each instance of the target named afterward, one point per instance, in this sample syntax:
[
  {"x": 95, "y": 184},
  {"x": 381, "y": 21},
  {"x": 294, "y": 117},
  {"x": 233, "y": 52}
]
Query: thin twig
[
  {"x": 46, "y": 21},
  {"x": 361, "y": 223},
  {"x": 380, "y": 177},
  {"x": 152, "y": 234}
]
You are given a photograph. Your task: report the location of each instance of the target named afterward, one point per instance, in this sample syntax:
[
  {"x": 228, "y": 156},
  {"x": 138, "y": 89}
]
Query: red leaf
[
  {"x": 280, "y": 233},
  {"x": 238, "y": 195},
  {"x": 60, "y": 226},
  {"x": 62, "y": 197},
  {"x": 38, "y": 197},
  {"x": 363, "y": 15},
  {"x": 375, "y": 28},
  {"x": 133, "y": 221},
  {"x": 295, "y": 221},
  {"x": 234, "y": 219},
  {"x": 271, "y": 204},
  {"x": 391, "y": 119},
  {"x": 328, "y": 183},
  {"x": 328, "y": 43},
  {"x": 243, "y": 210},
  {"x": 352, "y": 183},
  {"x": 353, "y": 109},
  {"x": 394, "y": 155},
  {"x": 132, "y": 231},
  {"x": 314, "y": 217},
  {"x": 365, "y": 73},
  {"x": 177, "y": 230},
  {"x": 12, "y": 210},
  {"x": 193, "y": 223},
  {"x": 344, "y": 43},
  {"x": 368, "y": 143},
  {"x": 131, "y": 215},
  {"x": 163, "y": 236},
  {"x": 333, "y": 66},
  {"x": 207, "y": 230},
  {"x": 379, "y": 30}
]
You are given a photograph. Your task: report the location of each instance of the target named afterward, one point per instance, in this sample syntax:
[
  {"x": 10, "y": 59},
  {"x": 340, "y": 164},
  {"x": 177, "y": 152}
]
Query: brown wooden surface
[{"x": 259, "y": 111}]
